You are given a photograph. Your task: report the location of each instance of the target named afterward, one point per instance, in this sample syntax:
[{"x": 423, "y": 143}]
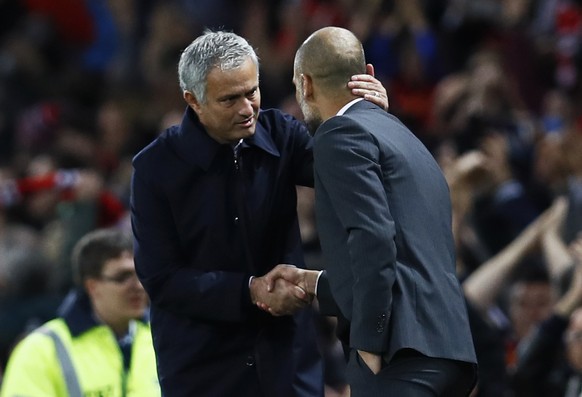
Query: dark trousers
[{"x": 411, "y": 374}]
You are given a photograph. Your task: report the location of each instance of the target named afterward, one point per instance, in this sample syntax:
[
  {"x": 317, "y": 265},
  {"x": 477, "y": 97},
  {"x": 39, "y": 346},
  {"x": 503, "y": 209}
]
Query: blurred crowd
[{"x": 492, "y": 87}]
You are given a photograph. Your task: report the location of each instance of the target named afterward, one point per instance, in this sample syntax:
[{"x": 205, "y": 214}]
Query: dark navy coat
[{"x": 202, "y": 227}]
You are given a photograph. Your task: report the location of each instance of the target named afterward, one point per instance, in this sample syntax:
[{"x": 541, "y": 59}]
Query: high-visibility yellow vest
[{"x": 37, "y": 367}]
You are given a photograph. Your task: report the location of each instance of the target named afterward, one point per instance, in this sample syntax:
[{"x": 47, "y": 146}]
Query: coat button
[
  {"x": 380, "y": 324},
  {"x": 250, "y": 361},
  {"x": 236, "y": 220}
]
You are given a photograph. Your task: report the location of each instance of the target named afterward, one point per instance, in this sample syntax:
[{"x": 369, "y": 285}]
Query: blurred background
[{"x": 492, "y": 87}]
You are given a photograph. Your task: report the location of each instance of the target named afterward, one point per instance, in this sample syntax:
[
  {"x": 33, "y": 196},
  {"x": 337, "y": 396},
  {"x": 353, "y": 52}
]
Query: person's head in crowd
[
  {"x": 531, "y": 298},
  {"x": 104, "y": 268},
  {"x": 219, "y": 78},
  {"x": 557, "y": 158},
  {"x": 40, "y": 207},
  {"x": 557, "y": 114}
]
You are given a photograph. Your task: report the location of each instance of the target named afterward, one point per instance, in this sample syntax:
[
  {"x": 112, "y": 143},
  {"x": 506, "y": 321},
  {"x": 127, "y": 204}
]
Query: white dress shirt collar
[{"x": 347, "y": 106}]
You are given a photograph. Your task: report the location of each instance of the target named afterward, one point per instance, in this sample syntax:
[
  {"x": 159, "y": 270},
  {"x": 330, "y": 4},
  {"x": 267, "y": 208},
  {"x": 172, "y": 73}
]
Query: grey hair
[{"x": 221, "y": 49}]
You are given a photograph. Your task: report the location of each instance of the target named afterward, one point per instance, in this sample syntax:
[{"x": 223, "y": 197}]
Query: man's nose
[
  {"x": 134, "y": 281},
  {"x": 246, "y": 108}
]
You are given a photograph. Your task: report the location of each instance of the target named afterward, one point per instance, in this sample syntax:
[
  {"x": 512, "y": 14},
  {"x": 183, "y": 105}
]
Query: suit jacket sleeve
[
  {"x": 347, "y": 164},
  {"x": 327, "y": 305}
]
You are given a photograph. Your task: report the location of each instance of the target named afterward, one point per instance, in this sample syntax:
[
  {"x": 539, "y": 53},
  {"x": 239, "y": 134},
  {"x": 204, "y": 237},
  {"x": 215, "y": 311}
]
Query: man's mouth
[
  {"x": 247, "y": 123},
  {"x": 135, "y": 299}
]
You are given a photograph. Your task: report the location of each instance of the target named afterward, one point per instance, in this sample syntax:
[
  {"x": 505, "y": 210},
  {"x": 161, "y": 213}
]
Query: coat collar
[
  {"x": 196, "y": 147},
  {"x": 77, "y": 312}
]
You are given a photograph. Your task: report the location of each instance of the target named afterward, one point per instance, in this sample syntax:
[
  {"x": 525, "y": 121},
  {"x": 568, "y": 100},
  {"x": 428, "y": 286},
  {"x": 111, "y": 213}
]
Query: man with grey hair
[{"x": 214, "y": 209}]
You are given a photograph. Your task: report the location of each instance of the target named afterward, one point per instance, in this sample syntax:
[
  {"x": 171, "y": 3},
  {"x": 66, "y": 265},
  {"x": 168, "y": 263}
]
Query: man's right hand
[
  {"x": 306, "y": 279},
  {"x": 281, "y": 275},
  {"x": 284, "y": 298}
]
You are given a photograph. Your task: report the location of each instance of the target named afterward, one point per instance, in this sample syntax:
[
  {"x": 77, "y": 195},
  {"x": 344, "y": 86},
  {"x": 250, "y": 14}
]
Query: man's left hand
[{"x": 367, "y": 86}]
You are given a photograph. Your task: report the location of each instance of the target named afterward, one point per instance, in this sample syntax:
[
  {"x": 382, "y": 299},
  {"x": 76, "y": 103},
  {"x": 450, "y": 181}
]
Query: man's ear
[
  {"x": 307, "y": 86},
  {"x": 90, "y": 284},
  {"x": 191, "y": 101}
]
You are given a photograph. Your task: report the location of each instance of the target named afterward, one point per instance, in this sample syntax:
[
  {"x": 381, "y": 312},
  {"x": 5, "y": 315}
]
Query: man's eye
[{"x": 119, "y": 278}]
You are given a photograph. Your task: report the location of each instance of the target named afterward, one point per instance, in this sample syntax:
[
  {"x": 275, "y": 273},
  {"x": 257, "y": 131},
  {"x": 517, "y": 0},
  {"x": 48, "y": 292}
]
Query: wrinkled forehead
[{"x": 243, "y": 77}]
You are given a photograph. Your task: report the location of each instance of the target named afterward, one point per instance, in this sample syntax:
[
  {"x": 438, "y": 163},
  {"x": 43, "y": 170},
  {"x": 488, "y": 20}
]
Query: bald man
[{"x": 384, "y": 218}]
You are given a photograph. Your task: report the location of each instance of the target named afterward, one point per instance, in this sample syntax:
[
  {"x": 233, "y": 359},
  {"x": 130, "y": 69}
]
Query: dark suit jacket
[
  {"x": 384, "y": 219},
  {"x": 201, "y": 228}
]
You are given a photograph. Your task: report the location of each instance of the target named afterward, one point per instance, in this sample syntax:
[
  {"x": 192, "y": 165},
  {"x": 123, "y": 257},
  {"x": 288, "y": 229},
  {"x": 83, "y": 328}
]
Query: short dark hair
[{"x": 94, "y": 249}]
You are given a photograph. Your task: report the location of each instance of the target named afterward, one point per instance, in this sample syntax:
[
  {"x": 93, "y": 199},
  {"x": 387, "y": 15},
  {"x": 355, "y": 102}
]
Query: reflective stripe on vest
[{"x": 69, "y": 373}]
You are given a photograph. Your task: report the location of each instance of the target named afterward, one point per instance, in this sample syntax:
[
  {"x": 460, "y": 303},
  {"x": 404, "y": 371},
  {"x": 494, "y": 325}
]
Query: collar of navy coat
[
  {"x": 77, "y": 312},
  {"x": 196, "y": 147}
]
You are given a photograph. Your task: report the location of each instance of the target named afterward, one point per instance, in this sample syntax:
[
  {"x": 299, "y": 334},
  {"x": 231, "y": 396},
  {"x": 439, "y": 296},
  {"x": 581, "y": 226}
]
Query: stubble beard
[
  {"x": 313, "y": 124},
  {"x": 312, "y": 120}
]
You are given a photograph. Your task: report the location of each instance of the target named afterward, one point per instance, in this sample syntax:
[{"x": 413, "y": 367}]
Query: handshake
[{"x": 284, "y": 290}]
